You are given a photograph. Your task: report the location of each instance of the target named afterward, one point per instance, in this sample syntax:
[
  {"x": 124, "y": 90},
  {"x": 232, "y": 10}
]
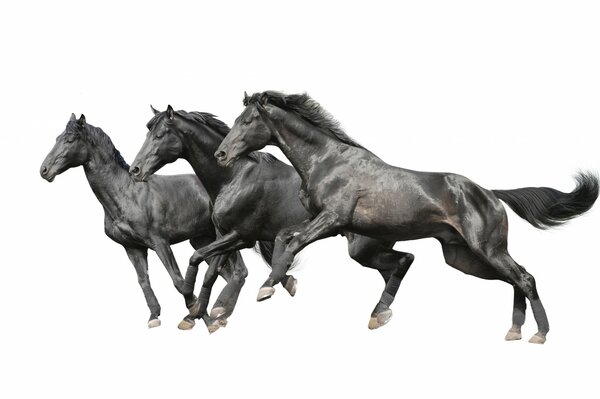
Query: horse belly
[{"x": 398, "y": 219}]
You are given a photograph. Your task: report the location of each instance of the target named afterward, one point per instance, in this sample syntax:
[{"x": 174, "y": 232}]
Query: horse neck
[
  {"x": 302, "y": 143},
  {"x": 109, "y": 180},
  {"x": 200, "y": 146}
]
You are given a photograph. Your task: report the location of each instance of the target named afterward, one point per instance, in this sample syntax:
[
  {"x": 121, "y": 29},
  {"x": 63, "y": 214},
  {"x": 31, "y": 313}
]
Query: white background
[{"x": 506, "y": 93}]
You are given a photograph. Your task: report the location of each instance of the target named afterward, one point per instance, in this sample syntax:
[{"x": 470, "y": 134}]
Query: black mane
[
  {"x": 210, "y": 120},
  {"x": 96, "y": 136},
  {"x": 307, "y": 108}
]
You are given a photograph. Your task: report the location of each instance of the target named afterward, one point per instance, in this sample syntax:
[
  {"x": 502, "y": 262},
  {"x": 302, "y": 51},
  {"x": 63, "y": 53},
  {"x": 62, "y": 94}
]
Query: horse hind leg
[
  {"x": 462, "y": 258},
  {"x": 393, "y": 266},
  {"x": 524, "y": 283}
]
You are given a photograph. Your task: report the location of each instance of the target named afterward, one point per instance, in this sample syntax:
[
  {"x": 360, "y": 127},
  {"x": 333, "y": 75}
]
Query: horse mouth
[
  {"x": 48, "y": 176},
  {"x": 226, "y": 163},
  {"x": 141, "y": 177}
]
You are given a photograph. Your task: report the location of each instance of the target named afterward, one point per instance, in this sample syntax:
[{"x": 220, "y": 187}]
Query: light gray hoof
[
  {"x": 513, "y": 335},
  {"x": 265, "y": 293},
  {"x": 290, "y": 285},
  {"x": 381, "y": 320},
  {"x": 538, "y": 339},
  {"x": 186, "y": 324},
  {"x": 217, "y": 312},
  {"x": 213, "y": 327},
  {"x": 154, "y": 323},
  {"x": 222, "y": 322}
]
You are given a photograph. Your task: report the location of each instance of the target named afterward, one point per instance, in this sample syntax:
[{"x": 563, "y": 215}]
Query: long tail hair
[{"x": 545, "y": 207}]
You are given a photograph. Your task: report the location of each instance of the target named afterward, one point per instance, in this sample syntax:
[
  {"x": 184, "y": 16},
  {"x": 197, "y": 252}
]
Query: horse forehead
[{"x": 246, "y": 112}]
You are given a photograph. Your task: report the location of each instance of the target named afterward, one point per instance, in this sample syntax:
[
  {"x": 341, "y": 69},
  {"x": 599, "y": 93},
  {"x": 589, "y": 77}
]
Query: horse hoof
[
  {"x": 217, "y": 312},
  {"x": 154, "y": 323},
  {"x": 222, "y": 322},
  {"x": 513, "y": 335},
  {"x": 186, "y": 324},
  {"x": 265, "y": 293},
  {"x": 380, "y": 320},
  {"x": 538, "y": 339},
  {"x": 213, "y": 327},
  {"x": 290, "y": 285}
]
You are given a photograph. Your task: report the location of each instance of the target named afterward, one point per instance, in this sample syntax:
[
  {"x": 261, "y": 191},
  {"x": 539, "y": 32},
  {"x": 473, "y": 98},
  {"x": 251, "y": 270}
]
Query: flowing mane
[
  {"x": 96, "y": 136},
  {"x": 210, "y": 120},
  {"x": 307, "y": 108}
]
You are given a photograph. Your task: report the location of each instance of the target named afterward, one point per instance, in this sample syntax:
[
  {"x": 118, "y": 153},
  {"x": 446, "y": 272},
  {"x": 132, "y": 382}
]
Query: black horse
[
  {"x": 253, "y": 200},
  {"x": 349, "y": 188},
  {"x": 167, "y": 210}
]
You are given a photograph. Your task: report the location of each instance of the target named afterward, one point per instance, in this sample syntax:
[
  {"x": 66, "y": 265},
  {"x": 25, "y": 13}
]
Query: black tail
[
  {"x": 545, "y": 207},
  {"x": 265, "y": 249}
]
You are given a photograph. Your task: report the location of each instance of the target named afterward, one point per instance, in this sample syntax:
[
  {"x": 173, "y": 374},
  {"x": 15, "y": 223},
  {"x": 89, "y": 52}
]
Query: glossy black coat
[
  {"x": 164, "y": 211},
  {"x": 348, "y": 188}
]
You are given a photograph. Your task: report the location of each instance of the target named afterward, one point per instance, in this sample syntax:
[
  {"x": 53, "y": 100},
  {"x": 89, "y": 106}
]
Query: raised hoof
[
  {"x": 513, "y": 335},
  {"x": 290, "y": 285},
  {"x": 538, "y": 339},
  {"x": 380, "y": 320},
  {"x": 213, "y": 327},
  {"x": 217, "y": 312},
  {"x": 186, "y": 324},
  {"x": 154, "y": 323},
  {"x": 265, "y": 293},
  {"x": 222, "y": 322}
]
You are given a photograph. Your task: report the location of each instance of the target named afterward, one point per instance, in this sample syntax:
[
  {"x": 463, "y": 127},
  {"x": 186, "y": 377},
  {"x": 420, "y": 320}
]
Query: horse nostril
[
  {"x": 44, "y": 170},
  {"x": 220, "y": 154},
  {"x": 134, "y": 170}
]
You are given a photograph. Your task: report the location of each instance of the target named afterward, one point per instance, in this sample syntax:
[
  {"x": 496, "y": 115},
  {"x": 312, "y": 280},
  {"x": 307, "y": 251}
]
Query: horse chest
[{"x": 123, "y": 232}]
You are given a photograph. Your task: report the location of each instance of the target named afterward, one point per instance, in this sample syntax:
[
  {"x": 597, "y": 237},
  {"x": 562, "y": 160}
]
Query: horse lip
[
  {"x": 48, "y": 176},
  {"x": 140, "y": 177},
  {"x": 227, "y": 163},
  {"x": 143, "y": 177}
]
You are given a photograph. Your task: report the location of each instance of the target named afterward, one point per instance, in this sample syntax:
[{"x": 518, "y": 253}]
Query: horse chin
[
  {"x": 228, "y": 162},
  {"x": 49, "y": 177},
  {"x": 142, "y": 177}
]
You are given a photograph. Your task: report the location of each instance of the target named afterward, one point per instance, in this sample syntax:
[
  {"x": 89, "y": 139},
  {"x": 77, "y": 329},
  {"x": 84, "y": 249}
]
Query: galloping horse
[
  {"x": 348, "y": 188},
  {"x": 167, "y": 210},
  {"x": 253, "y": 200}
]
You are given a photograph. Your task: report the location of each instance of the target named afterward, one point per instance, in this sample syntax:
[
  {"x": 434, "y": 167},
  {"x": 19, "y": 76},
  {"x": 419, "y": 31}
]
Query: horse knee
[
  {"x": 240, "y": 275},
  {"x": 285, "y": 236},
  {"x": 407, "y": 259}
]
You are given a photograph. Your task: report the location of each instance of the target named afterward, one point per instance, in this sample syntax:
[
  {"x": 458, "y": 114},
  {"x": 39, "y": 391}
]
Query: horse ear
[
  {"x": 264, "y": 99},
  {"x": 81, "y": 120},
  {"x": 155, "y": 111},
  {"x": 73, "y": 118},
  {"x": 170, "y": 112},
  {"x": 246, "y": 99}
]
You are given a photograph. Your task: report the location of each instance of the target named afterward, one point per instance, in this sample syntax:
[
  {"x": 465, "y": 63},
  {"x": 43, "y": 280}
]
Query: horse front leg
[
  {"x": 292, "y": 241},
  {"x": 235, "y": 273},
  {"x": 219, "y": 249},
  {"x": 139, "y": 259}
]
